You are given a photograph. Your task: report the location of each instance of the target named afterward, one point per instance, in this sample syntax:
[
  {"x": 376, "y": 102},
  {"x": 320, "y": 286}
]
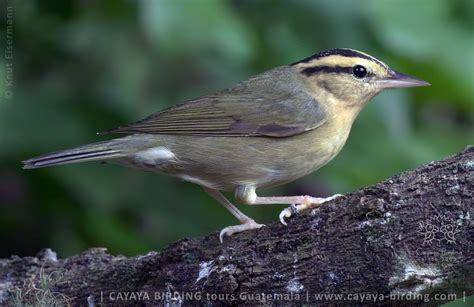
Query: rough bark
[{"x": 407, "y": 238}]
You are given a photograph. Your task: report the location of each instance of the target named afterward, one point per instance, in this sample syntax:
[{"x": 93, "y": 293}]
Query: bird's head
[{"x": 350, "y": 77}]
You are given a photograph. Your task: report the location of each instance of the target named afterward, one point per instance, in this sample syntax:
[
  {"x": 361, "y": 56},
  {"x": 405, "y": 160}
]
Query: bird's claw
[
  {"x": 288, "y": 212},
  {"x": 230, "y": 230},
  {"x": 285, "y": 213},
  {"x": 295, "y": 209},
  {"x": 332, "y": 197}
]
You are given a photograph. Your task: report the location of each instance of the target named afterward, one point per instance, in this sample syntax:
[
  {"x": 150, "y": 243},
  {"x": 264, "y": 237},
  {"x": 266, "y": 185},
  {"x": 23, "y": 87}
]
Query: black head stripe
[
  {"x": 343, "y": 52},
  {"x": 308, "y": 71}
]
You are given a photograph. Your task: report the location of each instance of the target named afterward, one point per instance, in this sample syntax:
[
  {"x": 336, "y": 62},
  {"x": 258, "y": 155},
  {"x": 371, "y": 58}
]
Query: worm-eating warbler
[{"x": 265, "y": 131}]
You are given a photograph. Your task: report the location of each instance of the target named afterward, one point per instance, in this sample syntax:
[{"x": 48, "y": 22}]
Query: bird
[{"x": 265, "y": 131}]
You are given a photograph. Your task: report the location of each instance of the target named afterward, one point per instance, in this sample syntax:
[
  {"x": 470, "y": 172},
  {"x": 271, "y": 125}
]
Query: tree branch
[{"x": 407, "y": 238}]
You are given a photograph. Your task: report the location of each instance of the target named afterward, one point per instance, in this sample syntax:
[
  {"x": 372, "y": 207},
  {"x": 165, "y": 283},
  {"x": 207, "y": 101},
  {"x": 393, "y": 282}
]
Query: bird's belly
[{"x": 226, "y": 162}]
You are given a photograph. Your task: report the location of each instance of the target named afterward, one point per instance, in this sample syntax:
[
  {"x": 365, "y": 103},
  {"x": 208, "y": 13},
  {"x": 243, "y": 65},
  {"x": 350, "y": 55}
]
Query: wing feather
[{"x": 256, "y": 107}]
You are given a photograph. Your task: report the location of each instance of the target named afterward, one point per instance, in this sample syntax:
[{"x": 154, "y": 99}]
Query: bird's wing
[{"x": 238, "y": 111}]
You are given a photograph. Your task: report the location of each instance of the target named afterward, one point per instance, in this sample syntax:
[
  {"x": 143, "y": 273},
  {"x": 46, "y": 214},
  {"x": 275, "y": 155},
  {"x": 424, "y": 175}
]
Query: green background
[{"x": 84, "y": 66}]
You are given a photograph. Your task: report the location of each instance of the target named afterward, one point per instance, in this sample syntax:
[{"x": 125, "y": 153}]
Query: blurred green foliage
[{"x": 85, "y": 66}]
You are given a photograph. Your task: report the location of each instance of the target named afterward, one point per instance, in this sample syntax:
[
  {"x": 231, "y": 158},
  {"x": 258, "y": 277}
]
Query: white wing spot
[{"x": 153, "y": 155}]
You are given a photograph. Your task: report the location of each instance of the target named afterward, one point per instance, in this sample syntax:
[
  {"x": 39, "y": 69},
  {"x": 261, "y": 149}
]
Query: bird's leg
[
  {"x": 247, "y": 222},
  {"x": 247, "y": 195}
]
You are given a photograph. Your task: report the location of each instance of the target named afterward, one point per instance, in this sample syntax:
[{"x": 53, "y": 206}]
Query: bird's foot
[
  {"x": 246, "y": 225},
  {"x": 308, "y": 203}
]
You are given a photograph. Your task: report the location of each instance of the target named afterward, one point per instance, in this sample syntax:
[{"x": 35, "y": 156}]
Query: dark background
[{"x": 84, "y": 66}]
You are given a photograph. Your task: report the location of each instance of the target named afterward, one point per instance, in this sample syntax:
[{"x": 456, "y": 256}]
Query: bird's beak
[{"x": 396, "y": 80}]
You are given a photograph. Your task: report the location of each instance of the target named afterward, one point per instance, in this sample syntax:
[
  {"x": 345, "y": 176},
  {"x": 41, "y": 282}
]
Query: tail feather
[{"x": 93, "y": 152}]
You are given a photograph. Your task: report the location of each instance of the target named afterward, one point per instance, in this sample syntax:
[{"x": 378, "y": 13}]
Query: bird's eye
[{"x": 359, "y": 71}]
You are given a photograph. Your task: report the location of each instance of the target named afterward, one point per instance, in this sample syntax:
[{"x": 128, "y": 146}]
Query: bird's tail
[{"x": 106, "y": 150}]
